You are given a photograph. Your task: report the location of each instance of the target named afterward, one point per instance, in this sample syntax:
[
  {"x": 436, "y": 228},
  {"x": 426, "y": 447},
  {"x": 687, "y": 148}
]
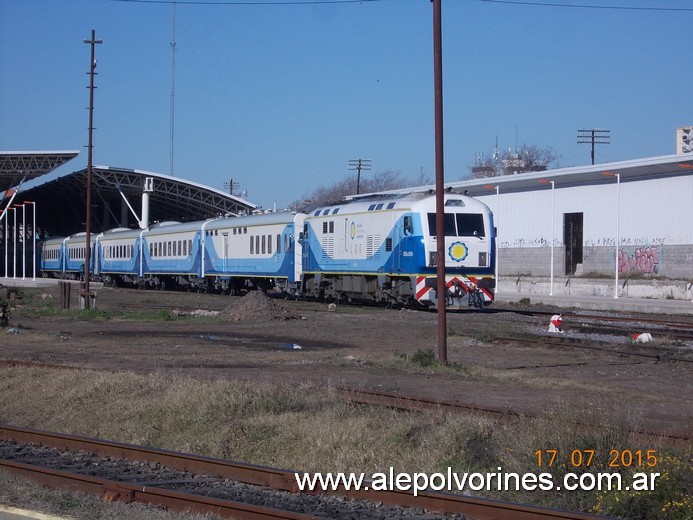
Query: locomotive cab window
[
  {"x": 449, "y": 225},
  {"x": 470, "y": 224}
]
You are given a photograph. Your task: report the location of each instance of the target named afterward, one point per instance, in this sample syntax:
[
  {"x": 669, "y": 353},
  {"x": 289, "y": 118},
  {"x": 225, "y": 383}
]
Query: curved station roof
[
  {"x": 18, "y": 167},
  {"x": 116, "y": 195}
]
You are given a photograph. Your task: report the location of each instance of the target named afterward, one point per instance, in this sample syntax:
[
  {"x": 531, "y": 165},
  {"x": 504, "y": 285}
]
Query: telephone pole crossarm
[
  {"x": 358, "y": 165},
  {"x": 594, "y": 136}
]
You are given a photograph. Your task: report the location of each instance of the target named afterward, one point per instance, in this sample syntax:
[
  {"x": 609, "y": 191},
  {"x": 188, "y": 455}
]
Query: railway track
[
  {"x": 419, "y": 403},
  {"x": 653, "y": 353},
  {"x": 178, "y": 481}
]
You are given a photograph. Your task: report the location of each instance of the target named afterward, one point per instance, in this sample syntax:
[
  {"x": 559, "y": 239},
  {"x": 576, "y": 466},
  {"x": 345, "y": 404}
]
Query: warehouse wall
[{"x": 655, "y": 227}]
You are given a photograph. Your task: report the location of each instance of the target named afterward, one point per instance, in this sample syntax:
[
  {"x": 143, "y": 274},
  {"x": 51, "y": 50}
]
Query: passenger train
[{"x": 376, "y": 248}]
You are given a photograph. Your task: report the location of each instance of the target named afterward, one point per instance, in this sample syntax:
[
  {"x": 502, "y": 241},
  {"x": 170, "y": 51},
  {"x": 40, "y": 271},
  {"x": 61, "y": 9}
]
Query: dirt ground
[{"x": 260, "y": 339}]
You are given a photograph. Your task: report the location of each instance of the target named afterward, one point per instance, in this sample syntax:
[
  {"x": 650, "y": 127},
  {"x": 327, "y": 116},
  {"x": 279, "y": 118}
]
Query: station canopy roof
[
  {"x": 116, "y": 198},
  {"x": 18, "y": 167}
]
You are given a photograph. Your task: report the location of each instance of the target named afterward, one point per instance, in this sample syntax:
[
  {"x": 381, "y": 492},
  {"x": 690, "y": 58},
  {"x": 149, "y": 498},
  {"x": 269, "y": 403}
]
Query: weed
[
  {"x": 424, "y": 358},
  {"x": 485, "y": 336}
]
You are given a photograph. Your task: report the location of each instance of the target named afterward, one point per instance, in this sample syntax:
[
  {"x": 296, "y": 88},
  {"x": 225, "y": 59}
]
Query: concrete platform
[
  {"x": 604, "y": 303},
  {"x": 15, "y": 513}
]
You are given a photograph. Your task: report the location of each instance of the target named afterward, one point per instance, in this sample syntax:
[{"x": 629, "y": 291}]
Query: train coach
[{"x": 379, "y": 249}]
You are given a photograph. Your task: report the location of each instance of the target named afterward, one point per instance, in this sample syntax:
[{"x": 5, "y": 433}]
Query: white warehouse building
[{"x": 580, "y": 221}]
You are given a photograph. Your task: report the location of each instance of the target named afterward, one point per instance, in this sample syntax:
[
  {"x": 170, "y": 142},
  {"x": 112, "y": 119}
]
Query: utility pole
[
  {"x": 231, "y": 185},
  {"x": 359, "y": 164},
  {"x": 594, "y": 136},
  {"x": 441, "y": 286},
  {"x": 173, "y": 90},
  {"x": 87, "y": 253}
]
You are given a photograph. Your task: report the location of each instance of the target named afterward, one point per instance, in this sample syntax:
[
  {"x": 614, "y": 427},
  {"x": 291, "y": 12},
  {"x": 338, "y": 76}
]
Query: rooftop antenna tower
[{"x": 173, "y": 88}]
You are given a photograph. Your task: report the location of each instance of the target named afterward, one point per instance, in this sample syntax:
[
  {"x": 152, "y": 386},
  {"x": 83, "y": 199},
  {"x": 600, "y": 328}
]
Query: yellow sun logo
[{"x": 458, "y": 251}]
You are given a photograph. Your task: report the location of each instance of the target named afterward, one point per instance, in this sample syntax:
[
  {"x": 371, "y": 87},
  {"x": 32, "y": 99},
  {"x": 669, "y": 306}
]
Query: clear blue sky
[{"x": 280, "y": 97}]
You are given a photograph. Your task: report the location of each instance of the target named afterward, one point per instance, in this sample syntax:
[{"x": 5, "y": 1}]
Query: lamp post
[
  {"x": 553, "y": 226},
  {"x": 23, "y": 238},
  {"x": 7, "y": 243},
  {"x": 33, "y": 235},
  {"x": 496, "y": 218},
  {"x": 618, "y": 226},
  {"x": 14, "y": 241}
]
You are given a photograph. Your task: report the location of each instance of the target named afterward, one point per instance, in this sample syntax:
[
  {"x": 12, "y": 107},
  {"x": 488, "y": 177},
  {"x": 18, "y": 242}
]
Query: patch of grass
[
  {"x": 485, "y": 336},
  {"x": 294, "y": 426},
  {"x": 51, "y": 309},
  {"x": 424, "y": 358},
  {"x": 671, "y": 499}
]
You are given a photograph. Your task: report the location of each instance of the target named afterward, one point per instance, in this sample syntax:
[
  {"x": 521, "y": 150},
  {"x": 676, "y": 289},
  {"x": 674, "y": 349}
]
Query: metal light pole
[
  {"x": 618, "y": 227},
  {"x": 23, "y": 237},
  {"x": 33, "y": 235},
  {"x": 496, "y": 217},
  {"x": 553, "y": 227},
  {"x": 14, "y": 240},
  {"x": 7, "y": 243}
]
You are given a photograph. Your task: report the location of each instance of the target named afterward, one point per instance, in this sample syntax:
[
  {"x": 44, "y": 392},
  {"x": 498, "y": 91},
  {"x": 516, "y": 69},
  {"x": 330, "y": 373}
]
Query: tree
[
  {"x": 527, "y": 158},
  {"x": 381, "y": 181}
]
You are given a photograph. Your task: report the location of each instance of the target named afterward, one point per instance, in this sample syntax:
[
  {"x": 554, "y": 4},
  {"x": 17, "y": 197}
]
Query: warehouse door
[{"x": 572, "y": 238}]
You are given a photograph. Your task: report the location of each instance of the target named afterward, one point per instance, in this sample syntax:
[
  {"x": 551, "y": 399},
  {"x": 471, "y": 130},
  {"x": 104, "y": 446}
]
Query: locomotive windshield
[{"x": 459, "y": 224}]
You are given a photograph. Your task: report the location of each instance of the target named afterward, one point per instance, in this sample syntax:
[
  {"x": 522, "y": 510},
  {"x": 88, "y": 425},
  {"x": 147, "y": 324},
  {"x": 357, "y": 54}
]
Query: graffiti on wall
[{"x": 643, "y": 260}]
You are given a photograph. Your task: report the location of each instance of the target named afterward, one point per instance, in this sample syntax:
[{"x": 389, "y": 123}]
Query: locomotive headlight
[
  {"x": 482, "y": 260},
  {"x": 432, "y": 258}
]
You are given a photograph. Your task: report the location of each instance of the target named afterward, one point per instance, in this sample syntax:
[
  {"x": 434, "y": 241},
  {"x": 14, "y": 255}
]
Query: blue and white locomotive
[
  {"x": 383, "y": 248},
  {"x": 376, "y": 248}
]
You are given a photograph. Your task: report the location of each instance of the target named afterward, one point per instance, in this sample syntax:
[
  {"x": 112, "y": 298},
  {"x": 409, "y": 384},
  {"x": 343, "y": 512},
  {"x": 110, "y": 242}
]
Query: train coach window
[
  {"x": 190, "y": 246},
  {"x": 257, "y": 244},
  {"x": 335, "y": 211},
  {"x": 470, "y": 224},
  {"x": 371, "y": 207},
  {"x": 269, "y": 244},
  {"x": 279, "y": 244},
  {"x": 252, "y": 244},
  {"x": 391, "y": 205}
]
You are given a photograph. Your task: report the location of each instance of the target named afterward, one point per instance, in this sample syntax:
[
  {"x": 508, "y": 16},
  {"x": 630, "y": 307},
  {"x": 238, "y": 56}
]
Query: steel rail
[
  {"x": 559, "y": 341},
  {"x": 419, "y": 403},
  {"x": 472, "y": 508},
  {"x": 112, "y": 490}
]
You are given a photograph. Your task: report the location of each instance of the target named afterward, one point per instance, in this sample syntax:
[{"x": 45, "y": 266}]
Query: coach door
[{"x": 572, "y": 238}]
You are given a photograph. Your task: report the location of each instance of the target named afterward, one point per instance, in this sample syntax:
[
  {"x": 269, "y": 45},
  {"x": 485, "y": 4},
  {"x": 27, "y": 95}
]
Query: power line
[
  {"x": 586, "y": 6},
  {"x": 248, "y": 2}
]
